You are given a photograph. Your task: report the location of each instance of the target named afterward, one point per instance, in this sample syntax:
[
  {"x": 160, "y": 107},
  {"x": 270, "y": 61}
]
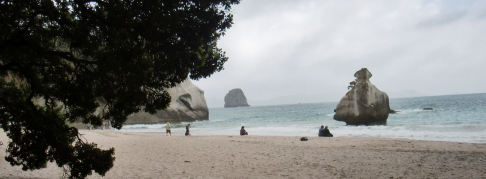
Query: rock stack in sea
[
  {"x": 187, "y": 104},
  {"x": 235, "y": 98},
  {"x": 364, "y": 104}
]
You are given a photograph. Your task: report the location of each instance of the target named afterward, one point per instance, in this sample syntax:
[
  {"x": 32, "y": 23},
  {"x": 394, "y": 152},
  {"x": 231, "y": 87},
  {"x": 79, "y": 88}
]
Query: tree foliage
[
  {"x": 352, "y": 84},
  {"x": 60, "y": 58}
]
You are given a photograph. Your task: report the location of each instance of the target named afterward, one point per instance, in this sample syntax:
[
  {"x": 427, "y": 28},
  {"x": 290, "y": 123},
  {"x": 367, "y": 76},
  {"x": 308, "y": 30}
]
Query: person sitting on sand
[
  {"x": 324, "y": 132},
  {"x": 167, "y": 129},
  {"x": 1, "y": 143},
  {"x": 321, "y": 131},
  {"x": 187, "y": 130},
  {"x": 243, "y": 131}
]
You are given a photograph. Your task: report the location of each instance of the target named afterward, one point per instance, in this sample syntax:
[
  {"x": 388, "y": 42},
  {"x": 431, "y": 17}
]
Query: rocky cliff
[
  {"x": 235, "y": 98},
  {"x": 364, "y": 104},
  {"x": 187, "y": 104}
]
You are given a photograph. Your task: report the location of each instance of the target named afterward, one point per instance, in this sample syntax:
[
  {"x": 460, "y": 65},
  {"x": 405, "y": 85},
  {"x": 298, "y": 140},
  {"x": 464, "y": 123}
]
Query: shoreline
[
  {"x": 461, "y": 133},
  {"x": 357, "y": 137},
  {"x": 155, "y": 155},
  {"x": 181, "y": 131}
]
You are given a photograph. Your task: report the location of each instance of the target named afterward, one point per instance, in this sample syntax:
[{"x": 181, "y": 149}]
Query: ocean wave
[
  {"x": 455, "y": 122},
  {"x": 474, "y": 127}
]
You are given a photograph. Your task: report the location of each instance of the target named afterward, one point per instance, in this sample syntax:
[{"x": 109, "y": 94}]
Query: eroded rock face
[
  {"x": 364, "y": 104},
  {"x": 235, "y": 98},
  {"x": 187, "y": 104}
]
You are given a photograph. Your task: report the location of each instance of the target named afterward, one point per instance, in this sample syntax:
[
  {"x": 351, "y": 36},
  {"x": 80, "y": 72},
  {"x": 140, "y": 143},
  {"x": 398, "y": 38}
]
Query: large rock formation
[
  {"x": 364, "y": 104},
  {"x": 187, "y": 104},
  {"x": 235, "y": 98}
]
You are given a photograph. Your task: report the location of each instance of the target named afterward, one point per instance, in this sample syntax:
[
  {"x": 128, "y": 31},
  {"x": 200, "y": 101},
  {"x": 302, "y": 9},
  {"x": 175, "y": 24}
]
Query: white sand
[{"x": 154, "y": 155}]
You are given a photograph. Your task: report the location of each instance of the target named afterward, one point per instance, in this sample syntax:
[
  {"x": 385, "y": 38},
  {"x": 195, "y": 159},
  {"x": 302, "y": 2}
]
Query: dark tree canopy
[
  {"x": 352, "y": 84},
  {"x": 61, "y": 59}
]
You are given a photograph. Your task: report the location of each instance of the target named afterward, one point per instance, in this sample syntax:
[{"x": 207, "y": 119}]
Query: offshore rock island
[
  {"x": 235, "y": 98},
  {"x": 364, "y": 104},
  {"x": 187, "y": 104}
]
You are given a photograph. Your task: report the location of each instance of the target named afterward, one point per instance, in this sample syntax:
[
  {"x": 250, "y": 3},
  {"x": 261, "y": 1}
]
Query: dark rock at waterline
[
  {"x": 393, "y": 111},
  {"x": 428, "y": 109},
  {"x": 364, "y": 104}
]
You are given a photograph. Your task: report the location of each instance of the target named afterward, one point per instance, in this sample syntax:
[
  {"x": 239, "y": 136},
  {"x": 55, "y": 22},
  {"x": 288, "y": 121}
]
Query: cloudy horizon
[{"x": 283, "y": 52}]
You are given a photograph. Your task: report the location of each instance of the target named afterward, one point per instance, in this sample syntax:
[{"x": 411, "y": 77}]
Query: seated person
[
  {"x": 324, "y": 132},
  {"x": 243, "y": 131}
]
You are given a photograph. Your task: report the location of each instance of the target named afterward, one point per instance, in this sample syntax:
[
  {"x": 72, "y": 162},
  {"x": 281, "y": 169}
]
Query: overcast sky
[{"x": 301, "y": 51}]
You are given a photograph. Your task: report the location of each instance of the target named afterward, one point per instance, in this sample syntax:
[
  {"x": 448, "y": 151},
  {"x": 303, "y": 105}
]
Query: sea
[{"x": 459, "y": 118}]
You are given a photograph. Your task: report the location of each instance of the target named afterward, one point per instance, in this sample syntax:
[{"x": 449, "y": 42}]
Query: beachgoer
[
  {"x": 89, "y": 126},
  {"x": 167, "y": 129},
  {"x": 187, "y": 130},
  {"x": 324, "y": 132},
  {"x": 321, "y": 131},
  {"x": 243, "y": 131},
  {"x": 327, "y": 133},
  {"x": 1, "y": 143}
]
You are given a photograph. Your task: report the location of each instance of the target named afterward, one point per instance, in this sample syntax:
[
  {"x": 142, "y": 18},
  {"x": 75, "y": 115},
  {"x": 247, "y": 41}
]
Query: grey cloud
[{"x": 442, "y": 19}]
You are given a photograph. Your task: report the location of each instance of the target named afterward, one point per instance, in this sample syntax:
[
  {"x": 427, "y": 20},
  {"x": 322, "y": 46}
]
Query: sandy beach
[{"x": 155, "y": 155}]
